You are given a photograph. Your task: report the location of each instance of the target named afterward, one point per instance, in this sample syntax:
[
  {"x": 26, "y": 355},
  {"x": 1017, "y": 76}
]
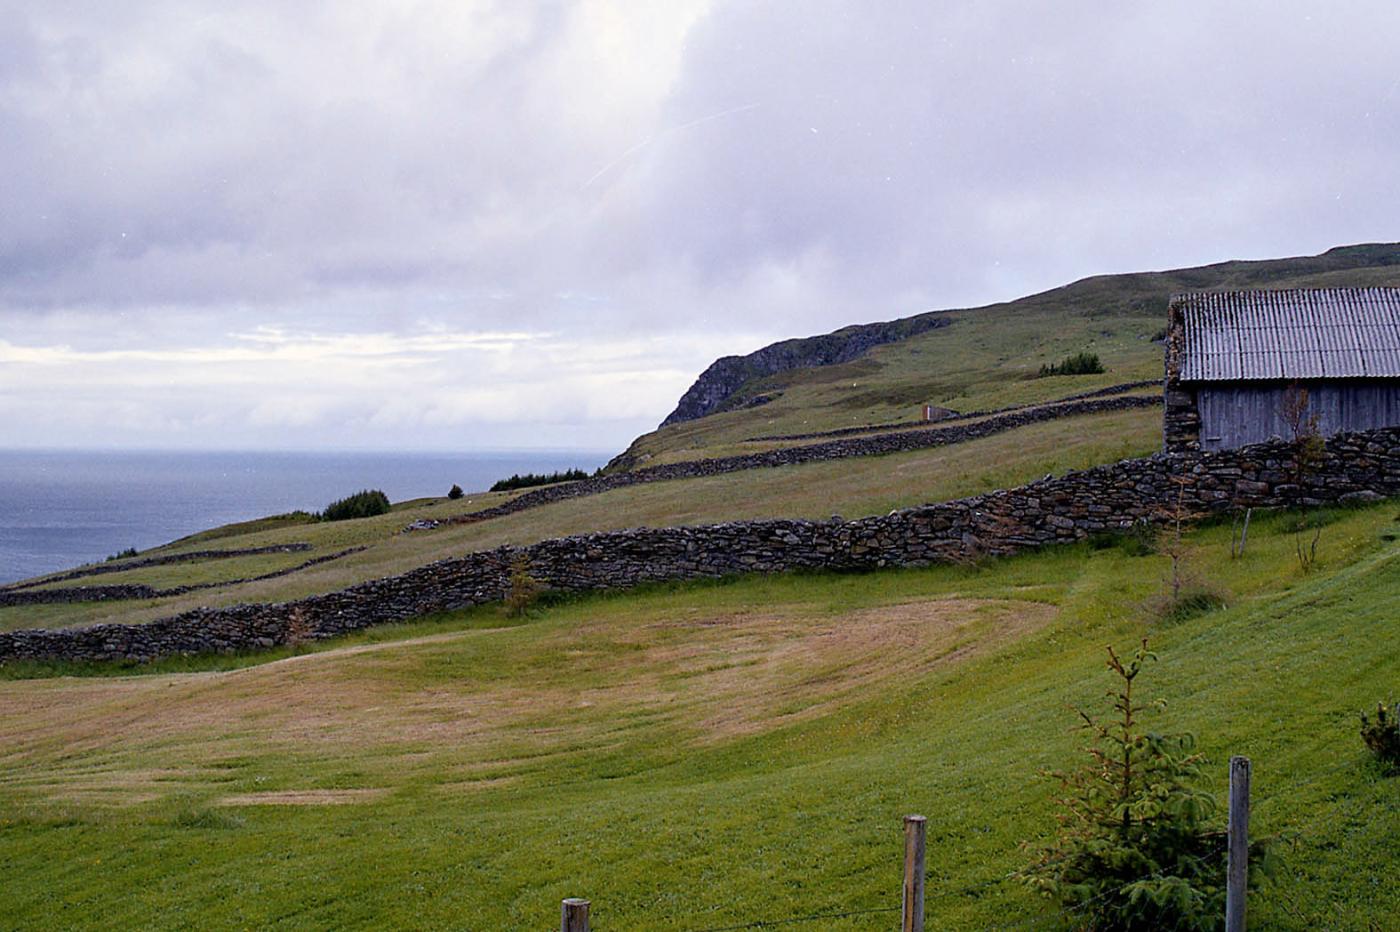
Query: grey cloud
[{"x": 755, "y": 170}]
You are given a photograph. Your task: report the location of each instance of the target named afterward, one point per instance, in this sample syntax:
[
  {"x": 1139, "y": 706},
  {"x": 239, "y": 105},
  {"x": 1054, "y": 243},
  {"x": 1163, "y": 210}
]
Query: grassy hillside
[
  {"x": 709, "y": 755},
  {"x": 988, "y": 357},
  {"x": 704, "y": 755},
  {"x": 985, "y": 359},
  {"x": 853, "y": 488}
]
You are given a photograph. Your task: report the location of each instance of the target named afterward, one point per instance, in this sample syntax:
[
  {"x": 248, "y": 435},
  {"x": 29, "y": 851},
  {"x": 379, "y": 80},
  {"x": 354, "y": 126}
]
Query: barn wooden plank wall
[{"x": 1237, "y": 413}]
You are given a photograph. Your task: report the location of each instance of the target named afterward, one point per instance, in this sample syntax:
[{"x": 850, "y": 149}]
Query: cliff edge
[{"x": 725, "y": 376}]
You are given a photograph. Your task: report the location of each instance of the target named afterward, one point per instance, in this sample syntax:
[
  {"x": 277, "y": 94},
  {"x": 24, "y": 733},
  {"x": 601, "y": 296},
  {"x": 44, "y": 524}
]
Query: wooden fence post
[
  {"x": 574, "y": 915},
  {"x": 915, "y": 829},
  {"x": 1237, "y": 865}
]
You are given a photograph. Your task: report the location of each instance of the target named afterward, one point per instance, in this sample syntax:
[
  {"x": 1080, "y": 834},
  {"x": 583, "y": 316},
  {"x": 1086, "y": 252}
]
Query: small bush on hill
[
  {"x": 300, "y": 514},
  {"x": 1383, "y": 735},
  {"x": 1136, "y": 848},
  {"x": 1192, "y": 599},
  {"x": 529, "y": 479},
  {"x": 122, "y": 555},
  {"x": 363, "y": 504},
  {"x": 455, "y": 492},
  {"x": 524, "y": 590},
  {"x": 1078, "y": 364}
]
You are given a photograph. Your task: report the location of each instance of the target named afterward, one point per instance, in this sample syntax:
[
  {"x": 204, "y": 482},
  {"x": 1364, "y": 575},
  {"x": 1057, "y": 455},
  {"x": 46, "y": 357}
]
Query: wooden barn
[{"x": 1236, "y": 361}]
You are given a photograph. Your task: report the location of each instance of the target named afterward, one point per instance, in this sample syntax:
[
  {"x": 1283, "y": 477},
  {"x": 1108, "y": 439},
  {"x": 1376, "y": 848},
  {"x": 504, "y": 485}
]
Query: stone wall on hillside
[
  {"x": 128, "y": 591},
  {"x": 121, "y": 566},
  {"x": 953, "y": 416},
  {"x": 900, "y": 442},
  {"x": 1356, "y": 467}
]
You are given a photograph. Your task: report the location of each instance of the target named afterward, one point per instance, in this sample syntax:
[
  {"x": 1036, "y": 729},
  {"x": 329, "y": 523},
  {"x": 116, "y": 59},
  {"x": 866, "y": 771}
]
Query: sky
[{"x": 497, "y": 224}]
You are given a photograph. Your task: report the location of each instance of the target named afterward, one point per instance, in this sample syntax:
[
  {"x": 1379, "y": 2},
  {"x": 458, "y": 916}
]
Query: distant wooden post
[
  {"x": 1237, "y": 867},
  {"x": 574, "y": 915},
  {"x": 915, "y": 829}
]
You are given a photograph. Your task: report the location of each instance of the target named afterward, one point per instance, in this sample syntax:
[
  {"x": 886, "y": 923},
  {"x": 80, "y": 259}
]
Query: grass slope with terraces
[
  {"x": 704, "y": 755},
  {"x": 854, "y": 488},
  {"x": 986, "y": 359}
]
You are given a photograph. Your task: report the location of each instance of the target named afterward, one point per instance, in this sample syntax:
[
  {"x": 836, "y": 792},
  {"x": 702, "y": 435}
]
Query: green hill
[
  {"x": 719, "y": 754},
  {"x": 988, "y": 357}
]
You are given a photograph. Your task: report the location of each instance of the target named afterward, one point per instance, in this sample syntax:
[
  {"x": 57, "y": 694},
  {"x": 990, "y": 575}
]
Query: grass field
[
  {"x": 703, "y": 755},
  {"x": 853, "y": 488}
]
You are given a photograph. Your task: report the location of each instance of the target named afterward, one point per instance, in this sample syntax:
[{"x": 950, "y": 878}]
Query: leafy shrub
[
  {"x": 1078, "y": 364},
  {"x": 1136, "y": 848},
  {"x": 122, "y": 555},
  {"x": 1383, "y": 735},
  {"x": 455, "y": 492},
  {"x": 529, "y": 479},
  {"x": 363, "y": 504}
]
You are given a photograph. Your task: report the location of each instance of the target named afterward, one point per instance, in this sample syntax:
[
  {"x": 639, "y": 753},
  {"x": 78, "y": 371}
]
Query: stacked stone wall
[
  {"x": 954, "y": 416},
  {"x": 1355, "y": 467},
  {"x": 128, "y": 591},
  {"x": 878, "y": 445},
  {"x": 121, "y": 566}
]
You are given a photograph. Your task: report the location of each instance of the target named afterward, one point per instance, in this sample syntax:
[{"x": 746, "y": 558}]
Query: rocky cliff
[{"x": 725, "y": 376}]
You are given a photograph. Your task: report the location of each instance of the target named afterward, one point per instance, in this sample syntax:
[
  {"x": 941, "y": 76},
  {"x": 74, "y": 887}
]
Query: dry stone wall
[
  {"x": 953, "y": 416},
  {"x": 1355, "y": 467},
  {"x": 121, "y": 566},
  {"x": 901, "y": 442},
  {"x": 128, "y": 591}
]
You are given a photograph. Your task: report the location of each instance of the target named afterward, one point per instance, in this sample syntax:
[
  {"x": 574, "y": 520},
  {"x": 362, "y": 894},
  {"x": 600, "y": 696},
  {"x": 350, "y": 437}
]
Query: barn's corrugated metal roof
[{"x": 1304, "y": 333}]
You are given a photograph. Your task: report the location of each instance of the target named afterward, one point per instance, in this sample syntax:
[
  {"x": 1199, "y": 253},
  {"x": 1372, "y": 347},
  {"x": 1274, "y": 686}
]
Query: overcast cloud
[{"x": 502, "y": 224}]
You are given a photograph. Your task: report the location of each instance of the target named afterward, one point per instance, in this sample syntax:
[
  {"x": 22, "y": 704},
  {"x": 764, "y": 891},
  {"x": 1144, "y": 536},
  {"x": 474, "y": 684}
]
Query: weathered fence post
[
  {"x": 915, "y": 827},
  {"x": 1237, "y": 865},
  {"x": 574, "y": 915}
]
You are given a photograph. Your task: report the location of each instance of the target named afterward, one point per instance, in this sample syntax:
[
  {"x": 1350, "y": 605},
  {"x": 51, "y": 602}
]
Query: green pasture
[{"x": 704, "y": 755}]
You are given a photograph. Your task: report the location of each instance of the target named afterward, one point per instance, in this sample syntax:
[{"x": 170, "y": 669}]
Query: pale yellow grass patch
[
  {"x": 397, "y": 710},
  {"x": 763, "y": 672}
]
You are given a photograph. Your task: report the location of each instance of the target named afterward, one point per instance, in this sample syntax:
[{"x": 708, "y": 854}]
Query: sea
[{"x": 63, "y": 508}]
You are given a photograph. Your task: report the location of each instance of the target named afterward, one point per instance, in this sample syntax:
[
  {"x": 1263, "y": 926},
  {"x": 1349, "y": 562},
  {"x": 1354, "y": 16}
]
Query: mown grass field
[
  {"x": 853, "y": 488},
  {"x": 704, "y": 755}
]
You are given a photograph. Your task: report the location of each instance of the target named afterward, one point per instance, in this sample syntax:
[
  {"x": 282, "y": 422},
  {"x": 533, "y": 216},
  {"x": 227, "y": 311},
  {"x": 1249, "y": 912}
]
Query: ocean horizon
[{"x": 63, "y": 508}]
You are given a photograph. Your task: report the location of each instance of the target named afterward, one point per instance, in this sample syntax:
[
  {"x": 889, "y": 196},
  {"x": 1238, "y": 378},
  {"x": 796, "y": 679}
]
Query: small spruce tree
[
  {"x": 455, "y": 492},
  {"x": 523, "y": 589},
  {"x": 1383, "y": 735},
  {"x": 1136, "y": 848}
]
